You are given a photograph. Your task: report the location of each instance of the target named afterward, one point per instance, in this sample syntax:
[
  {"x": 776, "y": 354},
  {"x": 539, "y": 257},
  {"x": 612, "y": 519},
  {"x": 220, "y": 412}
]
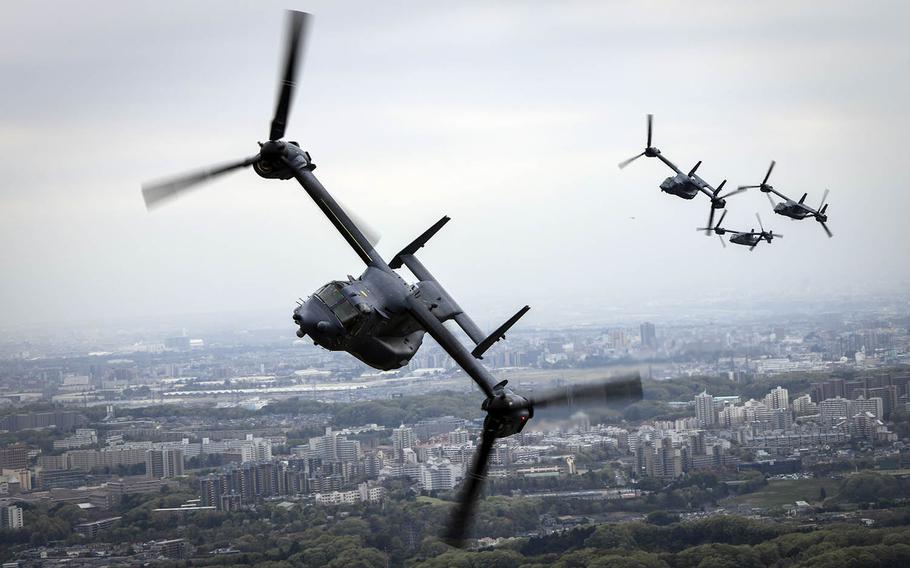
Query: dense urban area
[{"x": 765, "y": 440}]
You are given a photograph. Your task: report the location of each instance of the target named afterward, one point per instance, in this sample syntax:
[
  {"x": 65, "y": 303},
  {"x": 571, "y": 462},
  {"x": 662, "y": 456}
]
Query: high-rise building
[
  {"x": 781, "y": 419},
  {"x": 648, "y": 336},
  {"x": 162, "y": 464},
  {"x": 778, "y": 398},
  {"x": 11, "y": 517},
  {"x": 756, "y": 411},
  {"x": 334, "y": 447},
  {"x": 402, "y": 438},
  {"x": 834, "y": 409},
  {"x": 14, "y": 457},
  {"x": 704, "y": 410},
  {"x": 803, "y": 405},
  {"x": 829, "y": 389},
  {"x": 888, "y": 395},
  {"x": 872, "y": 405}
]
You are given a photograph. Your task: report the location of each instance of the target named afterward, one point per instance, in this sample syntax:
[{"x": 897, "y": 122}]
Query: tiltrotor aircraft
[
  {"x": 750, "y": 239},
  {"x": 794, "y": 209},
  {"x": 381, "y": 319},
  {"x": 684, "y": 185}
]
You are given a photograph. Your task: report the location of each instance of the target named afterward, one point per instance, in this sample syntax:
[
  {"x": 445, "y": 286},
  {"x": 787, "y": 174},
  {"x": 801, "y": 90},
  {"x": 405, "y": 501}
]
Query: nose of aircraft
[{"x": 316, "y": 320}]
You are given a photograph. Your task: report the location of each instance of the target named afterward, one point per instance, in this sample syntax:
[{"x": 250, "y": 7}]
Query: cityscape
[{"x": 191, "y": 428}]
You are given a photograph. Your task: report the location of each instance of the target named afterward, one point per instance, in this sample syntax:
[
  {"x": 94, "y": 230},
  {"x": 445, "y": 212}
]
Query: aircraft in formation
[
  {"x": 378, "y": 317},
  {"x": 688, "y": 184},
  {"x": 750, "y": 239},
  {"x": 797, "y": 210}
]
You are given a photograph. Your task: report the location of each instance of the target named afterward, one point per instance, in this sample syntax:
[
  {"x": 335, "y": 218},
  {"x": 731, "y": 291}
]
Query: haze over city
[{"x": 510, "y": 118}]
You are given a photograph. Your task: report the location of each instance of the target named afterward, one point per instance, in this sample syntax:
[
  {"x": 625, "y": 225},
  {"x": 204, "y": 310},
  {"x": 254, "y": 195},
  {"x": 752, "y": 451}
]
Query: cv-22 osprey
[
  {"x": 685, "y": 185},
  {"x": 794, "y": 209},
  {"x": 749, "y": 239},
  {"x": 381, "y": 319}
]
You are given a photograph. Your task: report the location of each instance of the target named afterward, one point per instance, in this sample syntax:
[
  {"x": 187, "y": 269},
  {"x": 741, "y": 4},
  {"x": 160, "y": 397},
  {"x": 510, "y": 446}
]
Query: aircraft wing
[
  {"x": 356, "y": 234},
  {"x": 451, "y": 345}
]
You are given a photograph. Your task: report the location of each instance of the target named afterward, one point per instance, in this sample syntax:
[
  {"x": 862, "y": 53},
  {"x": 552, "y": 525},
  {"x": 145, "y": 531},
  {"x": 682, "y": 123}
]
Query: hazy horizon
[{"x": 508, "y": 117}]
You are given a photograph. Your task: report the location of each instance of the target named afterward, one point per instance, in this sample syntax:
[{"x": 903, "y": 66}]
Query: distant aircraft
[
  {"x": 750, "y": 239},
  {"x": 794, "y": 209},
  {"x": 685, "y": 185}
]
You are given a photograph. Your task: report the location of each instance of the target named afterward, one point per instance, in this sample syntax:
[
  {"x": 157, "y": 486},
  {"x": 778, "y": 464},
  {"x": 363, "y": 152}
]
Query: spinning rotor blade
[
  {"x": 720, "y": 187},
  {"x": 710, "y": 224},
  {"x": 748, "y": 186},
  {"x": 767, "y": 175},
  {"x": 824, "y": 197},
  {"x": 370, "y": 232},
  {"x": 722, "y": 241},
  {"x": 650, "y": 126},
  {"x": 461, "y": 518},
  {"x": 625, "y": 163},
  {"x": 297, "y": 24},
  {"x": 757, "y": 216},
  {"x": 720, "y": 222},
  {"x": 753, "y": 247},
  {"x": 623, "y": 390},
  {"x": 771, "y": 199},
  {"x": 694, "y": 168},
  {"x": 827, "y": 230},
  {"x": 734, "y": 192},
  {"x": 158, "y": 192}
]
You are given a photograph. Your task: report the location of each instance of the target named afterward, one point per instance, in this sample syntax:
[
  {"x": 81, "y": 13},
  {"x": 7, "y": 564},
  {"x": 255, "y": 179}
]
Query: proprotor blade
[
  {"x": 463, "y": 514},
  {"x": 370, "y": 232},
  {"x": 824, "y": 197},
  {"x": 630, "y": 160},
  {"x": 650, "y": 126},
  {"x": 710, "y": 224},
  {"x": 158, "y": 192},
  {"x": 827, "y": 230},
  {"x": 720, "y": 222},
  {"x": 767, "y": 175},
  {"x": 734, "y": 192},
  {"x": 623, "y": 390},
  {"x": 298, "y": 22},
  {"x": 757, "y": 216}
]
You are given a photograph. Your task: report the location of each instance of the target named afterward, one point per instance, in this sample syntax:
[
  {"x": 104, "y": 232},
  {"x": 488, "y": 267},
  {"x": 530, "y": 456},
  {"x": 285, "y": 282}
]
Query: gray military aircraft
[
  {"x": 381, "y": 319},
  {"x": 750, "y": 239},
  {"x": 684, "y": 185},
  {"x": 794, "y": 209}
]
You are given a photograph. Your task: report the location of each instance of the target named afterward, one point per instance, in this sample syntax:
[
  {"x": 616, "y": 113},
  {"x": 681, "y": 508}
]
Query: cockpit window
[
  {"x": 343, "y": 309},
  {"x": 330, "y": 294}
]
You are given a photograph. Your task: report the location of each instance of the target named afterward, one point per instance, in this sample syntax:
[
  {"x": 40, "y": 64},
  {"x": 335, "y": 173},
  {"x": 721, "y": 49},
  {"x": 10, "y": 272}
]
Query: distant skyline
[{"x": 509, "y": 117}]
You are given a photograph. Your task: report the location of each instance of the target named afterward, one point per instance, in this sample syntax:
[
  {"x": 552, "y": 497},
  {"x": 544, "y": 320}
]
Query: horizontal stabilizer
[
  {"x": 500, "y": 333},
  {"x": 417, "y": 243}
]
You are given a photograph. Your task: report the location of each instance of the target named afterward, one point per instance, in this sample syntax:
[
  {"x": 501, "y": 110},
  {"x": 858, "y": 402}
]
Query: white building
[
  {"x": 704, "y": 410},
  {"x": 11, "y": 517},
  {"x": 778, "y": 398},
  {"x": 402, "y": 438}
]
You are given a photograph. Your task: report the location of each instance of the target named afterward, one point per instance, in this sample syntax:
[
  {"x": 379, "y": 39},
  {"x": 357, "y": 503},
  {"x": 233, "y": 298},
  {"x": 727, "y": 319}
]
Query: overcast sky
[{"x": 509, "y": 116}]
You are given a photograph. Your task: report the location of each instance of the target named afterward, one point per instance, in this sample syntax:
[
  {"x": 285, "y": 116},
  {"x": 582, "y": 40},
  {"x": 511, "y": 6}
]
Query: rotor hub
[
  {"x": 272, "y": 151},
  {"x": 651, "y": 152}
]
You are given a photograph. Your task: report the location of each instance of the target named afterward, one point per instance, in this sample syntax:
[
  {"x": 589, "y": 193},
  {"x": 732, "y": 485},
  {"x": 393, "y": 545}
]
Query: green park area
[{"x": 784, "y": 492}]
